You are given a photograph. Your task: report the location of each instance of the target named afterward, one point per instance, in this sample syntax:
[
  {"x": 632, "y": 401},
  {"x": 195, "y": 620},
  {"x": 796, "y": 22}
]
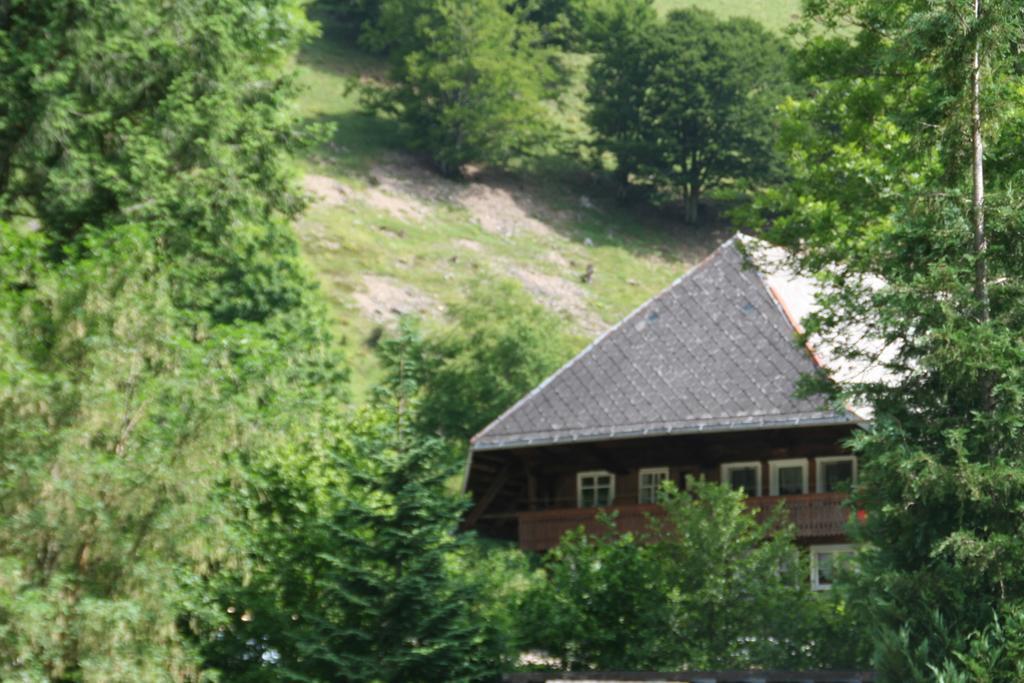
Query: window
[
  {"x": 836, "y": 473},
  {"x": 743, "y": 475},
  {"x": 650, "y": 483},
  {"x": 789, "y": 477},
  {"x": 824, "y": 561},
  {"x": 595, "y": 489}
]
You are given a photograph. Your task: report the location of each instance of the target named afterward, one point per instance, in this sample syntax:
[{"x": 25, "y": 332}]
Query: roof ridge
[{"x": 701, "y": 264}]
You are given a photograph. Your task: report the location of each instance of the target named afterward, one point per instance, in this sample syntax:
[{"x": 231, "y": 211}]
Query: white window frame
[
  {"x": 594, "y": 473},
  {"x": 728, "y": 467},
  {"x": 835, "y": 549},
  {"x": 663, "y": 471},
  {"x": 773, "y": 474},
  {"x": 819, "y": 469}
]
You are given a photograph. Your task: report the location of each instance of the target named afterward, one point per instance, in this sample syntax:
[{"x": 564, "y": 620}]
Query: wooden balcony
[{"x": 815, "y": 515}]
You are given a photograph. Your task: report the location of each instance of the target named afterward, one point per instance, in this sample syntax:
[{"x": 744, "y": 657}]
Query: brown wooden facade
[{"x": 530, "y": 494}]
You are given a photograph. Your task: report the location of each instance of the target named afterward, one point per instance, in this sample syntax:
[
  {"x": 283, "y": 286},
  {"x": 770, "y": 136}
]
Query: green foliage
[
  {"x": 600, "y": 24},
  {"x": 497, "y": 346},
  {"x": 159, "y": 333},
  {"x": 995, "y": 655},
  {"x": 881, "y": 210},
  {"x": 579, "y": 25},
  {"x": 356, "y": 574},
  {"x": 176, "y": 116},
  {"x": 468, "y": 83},
  {"x": 687, "y": 104},
  {"x": 115, "y": 427},
  {"x": 361, "y": 15},
  {"x": 709, "y": 586}
]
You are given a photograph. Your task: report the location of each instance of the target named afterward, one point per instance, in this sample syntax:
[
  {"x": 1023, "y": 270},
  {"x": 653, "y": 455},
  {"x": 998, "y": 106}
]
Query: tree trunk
[
  {"x": 978, "y": 201},
  {"x": 978, "y": 205},
  {"x": 690, "y": 204}
]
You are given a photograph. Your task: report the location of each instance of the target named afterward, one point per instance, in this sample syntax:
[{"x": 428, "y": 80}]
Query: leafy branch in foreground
[{"x": 708, "y": 586}]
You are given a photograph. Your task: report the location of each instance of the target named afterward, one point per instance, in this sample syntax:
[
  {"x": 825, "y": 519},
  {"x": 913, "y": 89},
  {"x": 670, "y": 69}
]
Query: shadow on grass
[
  {"x": 358, "y": 141},
  {"x": 616, "y": 215},
  {"x": 577, "y": 203},
  {"x": 337, "y": 48}
]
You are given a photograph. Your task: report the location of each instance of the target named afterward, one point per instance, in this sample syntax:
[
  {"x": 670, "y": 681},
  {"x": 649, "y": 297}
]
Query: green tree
[
  {"x": 356, "y": 573},
  {"x": 116, "y": 425},
  {"x": 593, "y": 26},
  {"x": 496, "y": 346},
  {"x": 160, "y": 335},
  {"x": 708, "y": 586},
  {"x": 175, "y": 116},
  {"x": 468, "y": 82},
  {"x": 904, "y": 203},
  {"x": 687, "y": 105}
]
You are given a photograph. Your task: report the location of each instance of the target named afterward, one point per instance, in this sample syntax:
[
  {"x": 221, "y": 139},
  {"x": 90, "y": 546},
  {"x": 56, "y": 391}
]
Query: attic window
[{"x": 595, "y": 489}]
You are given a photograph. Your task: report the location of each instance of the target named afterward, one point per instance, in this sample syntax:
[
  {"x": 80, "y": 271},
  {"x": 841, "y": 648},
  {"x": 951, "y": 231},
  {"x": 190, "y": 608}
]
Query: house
[{"x": 700, "y": 380}]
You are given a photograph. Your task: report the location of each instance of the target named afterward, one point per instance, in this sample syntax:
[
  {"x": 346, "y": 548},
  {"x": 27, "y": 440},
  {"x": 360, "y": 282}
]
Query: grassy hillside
[
  {"x": 386, "y": 235},
  {"x": 776, "y": 14}
]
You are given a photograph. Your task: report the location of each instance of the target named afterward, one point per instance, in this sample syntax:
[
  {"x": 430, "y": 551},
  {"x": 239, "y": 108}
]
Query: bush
[
  {"x": 709, "y": 586},
  {"x": 498, "y": 345}
]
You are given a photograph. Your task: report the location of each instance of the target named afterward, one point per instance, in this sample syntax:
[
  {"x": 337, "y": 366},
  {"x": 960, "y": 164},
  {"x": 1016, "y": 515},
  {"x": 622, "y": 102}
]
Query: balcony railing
[{"x": 815, "y": 516}]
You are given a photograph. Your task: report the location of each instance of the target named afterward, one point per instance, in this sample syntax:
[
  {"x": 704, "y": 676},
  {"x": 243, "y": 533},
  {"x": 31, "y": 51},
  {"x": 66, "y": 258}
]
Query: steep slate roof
[{"x": 714, "y": 352}]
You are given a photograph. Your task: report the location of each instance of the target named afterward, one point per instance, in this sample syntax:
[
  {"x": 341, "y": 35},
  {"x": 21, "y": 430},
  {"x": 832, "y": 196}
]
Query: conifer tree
[
  {"x": 361, "y": 577},
  {"x": 158, "y": 333},
  {"x": 114, "y": 425},
  {"x": 174, "y": 116},
  {"x": 904, "y": 203}
]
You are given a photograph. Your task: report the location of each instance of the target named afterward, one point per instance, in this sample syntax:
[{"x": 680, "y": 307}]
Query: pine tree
[
  {"x": 357, "y": 573},
  {"x": 904, "y": 204},
  {"x": 160, "y": 339},
  {"x": 173, "y": 116}
]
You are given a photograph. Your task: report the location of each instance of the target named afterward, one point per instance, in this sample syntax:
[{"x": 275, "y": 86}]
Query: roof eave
[{"x": 723, "y": 428}]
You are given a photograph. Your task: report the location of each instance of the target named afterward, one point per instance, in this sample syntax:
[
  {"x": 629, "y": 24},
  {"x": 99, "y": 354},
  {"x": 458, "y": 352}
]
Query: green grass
[
  {"x": 634, "y": 252},
  {"x": 775, "y": 14}
]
